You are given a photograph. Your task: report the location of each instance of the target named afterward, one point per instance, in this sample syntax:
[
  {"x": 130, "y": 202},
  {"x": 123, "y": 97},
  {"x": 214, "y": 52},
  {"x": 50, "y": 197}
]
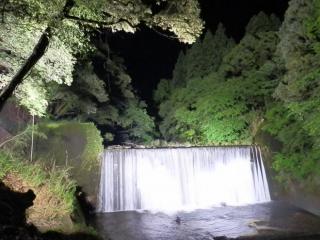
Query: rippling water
[{"x": 268, "y": 218}]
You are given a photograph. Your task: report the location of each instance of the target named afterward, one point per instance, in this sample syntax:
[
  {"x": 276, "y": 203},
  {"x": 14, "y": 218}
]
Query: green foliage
[
  {"x": 82, "y": 97},
  {"x": 57, "y": 181},
  {"x": 94, "y": 145},
  {"x": 90, "y": 84},
  {"x": 209, "y": 115},
  {"x": 55, "y": 66},
  {"x": 60, "y": 135},
  {"x": 294, "y": 119},
  {"x": 137, "y": 122},
  {"x": 269, "y": 75},
  {"x": 108, "y": 99},
  {"x": 181, "y": 17},
  {"x": 263, "y": 23},
  {"x": 163, "y": 91},
  {"x": 299, "y": 133},
  {"x": 19, "y": 145},
  {"x": 254, "y": 50},
  {"x": 126, "y": 15},
  {"x": 203, "y": 57},
  {"x": 24, "y": 21},
  {"x": 218, "y": 90},
  {"x": 313, "y": 25},
  {"x": 296, "y": 51}
]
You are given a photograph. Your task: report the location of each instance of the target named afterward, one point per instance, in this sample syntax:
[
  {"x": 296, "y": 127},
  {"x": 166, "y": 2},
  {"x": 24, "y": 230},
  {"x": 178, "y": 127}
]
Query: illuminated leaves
[
  {"x": 55, "y": 66},
  {"x": 218, "y": 89},
  {"x": 24, "y": 21}
]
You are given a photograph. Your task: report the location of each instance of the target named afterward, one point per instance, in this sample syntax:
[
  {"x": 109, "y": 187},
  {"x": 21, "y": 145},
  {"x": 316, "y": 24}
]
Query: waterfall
[{"x": 170, "y": 179}]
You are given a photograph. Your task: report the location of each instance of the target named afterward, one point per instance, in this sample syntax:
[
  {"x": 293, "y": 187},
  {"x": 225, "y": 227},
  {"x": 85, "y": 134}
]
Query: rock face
[{"x": 296, "y": 192}]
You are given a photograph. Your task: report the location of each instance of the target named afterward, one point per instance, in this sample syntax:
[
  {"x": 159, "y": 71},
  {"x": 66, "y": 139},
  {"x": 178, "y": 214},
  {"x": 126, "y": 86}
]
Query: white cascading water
[{"x": 171, "y": 179}]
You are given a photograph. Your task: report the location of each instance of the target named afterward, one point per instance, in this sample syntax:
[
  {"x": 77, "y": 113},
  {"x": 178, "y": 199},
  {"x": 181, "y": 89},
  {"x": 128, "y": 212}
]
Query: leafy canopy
[
  {"x": 25, "y": 20},
  {"x": 219, "y": 88}
]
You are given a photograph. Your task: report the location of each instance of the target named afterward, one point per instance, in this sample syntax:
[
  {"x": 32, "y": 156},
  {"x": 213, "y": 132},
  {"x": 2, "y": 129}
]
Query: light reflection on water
[{"x": 268, "y": 218}]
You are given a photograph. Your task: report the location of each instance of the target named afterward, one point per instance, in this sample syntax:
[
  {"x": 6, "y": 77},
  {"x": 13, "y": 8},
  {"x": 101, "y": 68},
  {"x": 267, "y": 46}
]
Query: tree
[
  {"x": 102, "y": 93},
  {"x": 256, "y": 47},
  {"x": 56, "y": 66},
  {"x": 177, "y": 98},
  {"x": 293, "y": 118},
  {"x": 296, "y": 50},
  {"x": 180, "y": 17},
  {"x": 203, "y": 57},
  {"x": 225, "y": 86}
]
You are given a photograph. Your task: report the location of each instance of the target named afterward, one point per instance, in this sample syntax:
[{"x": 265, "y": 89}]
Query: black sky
[
  {"x": 235, "y": 14},
  {"x": 150, "y": 56}
]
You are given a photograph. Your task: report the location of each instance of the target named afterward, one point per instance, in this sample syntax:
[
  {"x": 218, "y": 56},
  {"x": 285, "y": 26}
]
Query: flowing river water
[
  {"x": 273, "y": 218},
  {"x": 192, "y": 194},
  {"x": 172, "y": 179}
]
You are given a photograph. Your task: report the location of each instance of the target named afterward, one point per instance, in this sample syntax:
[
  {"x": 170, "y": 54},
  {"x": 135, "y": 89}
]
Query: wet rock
[
  {"x": 19, "y": 233},
  {"x": 275, "y": 237},
  {"x": 75, "y": 236},
  {"x": 220, "y": 238}
]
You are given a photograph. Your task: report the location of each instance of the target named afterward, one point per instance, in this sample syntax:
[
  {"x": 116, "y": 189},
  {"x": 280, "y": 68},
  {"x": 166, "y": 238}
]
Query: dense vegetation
[
  {"x": 102, "y": 93},
  {"x": 68, "y": 43},
  {"x": 218, "y": 90},
  {"x": 55, "y": 62},
  {"x": 53, "y": 185},
  {"x": 223, "y": 93}
]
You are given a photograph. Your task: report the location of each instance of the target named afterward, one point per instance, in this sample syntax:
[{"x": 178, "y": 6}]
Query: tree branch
[
  {"x": 100, "y": 23},
  {"x": 164, "y": 35},
  {"x": 37, "y": 53},
  {"x": 41, "y": 46},
  {"x": 91, "y": 21},
  {"x": 14, "y": 137},
  {"x": 7, "y": 51},
  {"x": 3, "y": 9}
]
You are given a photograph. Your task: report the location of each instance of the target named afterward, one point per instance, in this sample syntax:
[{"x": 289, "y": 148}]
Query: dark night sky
[{"x": 149, "y": 56}]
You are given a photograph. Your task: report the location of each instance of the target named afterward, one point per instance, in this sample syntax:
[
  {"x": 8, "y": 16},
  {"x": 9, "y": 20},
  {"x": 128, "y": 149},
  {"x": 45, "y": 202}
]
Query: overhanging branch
[
  {"x": 91, "y": 21},
  {"x": 100, "y": 23},
  {"x": 38, "y": 51}
]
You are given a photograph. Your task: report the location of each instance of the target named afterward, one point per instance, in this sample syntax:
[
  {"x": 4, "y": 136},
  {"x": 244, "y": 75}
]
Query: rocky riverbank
[{"x": 13, "y": 225}]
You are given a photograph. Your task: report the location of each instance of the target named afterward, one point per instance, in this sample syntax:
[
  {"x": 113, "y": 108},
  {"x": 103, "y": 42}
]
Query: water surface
[{"x": 259, "y": 219}]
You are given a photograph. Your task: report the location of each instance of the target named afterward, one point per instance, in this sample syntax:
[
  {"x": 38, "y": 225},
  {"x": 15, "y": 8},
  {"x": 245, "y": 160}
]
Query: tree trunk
[{"x": 38, "y": 51}]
